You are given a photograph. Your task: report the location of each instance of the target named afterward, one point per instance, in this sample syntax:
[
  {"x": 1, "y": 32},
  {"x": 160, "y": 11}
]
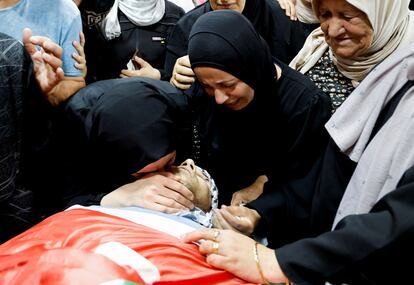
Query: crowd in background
[{"x": 301, "y": 111}]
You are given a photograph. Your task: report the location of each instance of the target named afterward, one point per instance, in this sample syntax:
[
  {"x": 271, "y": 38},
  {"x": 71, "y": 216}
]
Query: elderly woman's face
[
  {"x": 235, "y": 5},
  {"x": 224, "y": 87},
  {"x": 347, "y": 29}
]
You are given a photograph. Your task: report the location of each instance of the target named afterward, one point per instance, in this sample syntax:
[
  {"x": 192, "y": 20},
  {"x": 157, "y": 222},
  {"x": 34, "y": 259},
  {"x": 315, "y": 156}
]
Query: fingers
[
  {"x": 282, "y": 4},
  {"x": 53, "y": 61},
  {"x": 208, "y": 247},
  {"x": 202, "y": 234},
  {"x": 180, "y": 189},
  {"x": 292, "y": 11},
  {"x": 221, "y": 222},
  {"x": 82, "y": 39},
  {"x": 236, "y": 221},
  {"x": 179, "y": 85},
  {"x": 172, "y": 191},
  {"x": 290, "y": 8},
  {"x": 184, "y": 61},
  {"x": 182, "y": 76},
  {"x": 167, "y": 205},
  {"x": 128, "y": 73},
  {"x": 30, "y": 48},
  {"x": 237, "y": 200},
  {"x": 48, "y": 45},
  {"x": 141, "y": 62}
]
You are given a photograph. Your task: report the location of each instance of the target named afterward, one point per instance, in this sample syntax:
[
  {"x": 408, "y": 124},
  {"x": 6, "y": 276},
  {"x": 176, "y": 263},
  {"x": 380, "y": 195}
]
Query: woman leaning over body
[
  {"x": 350, "y": 218},
  {"x": 260, "y": 116},
  {"x": 354, "y": 36}
]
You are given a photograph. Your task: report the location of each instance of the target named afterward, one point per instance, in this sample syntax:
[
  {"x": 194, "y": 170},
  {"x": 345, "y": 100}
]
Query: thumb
[
  {"x": 141, "y": 62},
  {"x": 236, "y": 200}
]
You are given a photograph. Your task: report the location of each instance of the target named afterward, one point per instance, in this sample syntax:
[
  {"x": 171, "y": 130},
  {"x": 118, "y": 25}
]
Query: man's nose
[{"x": 189, "y": 164}]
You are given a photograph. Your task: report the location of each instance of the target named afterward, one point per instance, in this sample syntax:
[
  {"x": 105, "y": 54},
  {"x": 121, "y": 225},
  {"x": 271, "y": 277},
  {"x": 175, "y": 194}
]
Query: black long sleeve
[{"x": 372, "y": 248}]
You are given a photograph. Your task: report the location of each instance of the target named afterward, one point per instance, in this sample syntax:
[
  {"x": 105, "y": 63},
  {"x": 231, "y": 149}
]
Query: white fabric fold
[{"x": 139, "y": 12}]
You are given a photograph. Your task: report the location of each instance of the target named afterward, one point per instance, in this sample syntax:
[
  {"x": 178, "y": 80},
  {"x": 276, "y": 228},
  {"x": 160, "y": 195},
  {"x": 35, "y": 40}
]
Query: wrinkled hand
[
  {"x": 182, "y": 75},
  {"x": 237, "y": 218},
  {"x": 143, "y": 68},
  {"x": 234, "y": 253},
  {"x": 250, "y": 193},
  {"x": 290, "y": 8},
  {"x": 80, "y": 57},
  {"x": 47, "y": 63},
  {"x": 161, "y": 192}
]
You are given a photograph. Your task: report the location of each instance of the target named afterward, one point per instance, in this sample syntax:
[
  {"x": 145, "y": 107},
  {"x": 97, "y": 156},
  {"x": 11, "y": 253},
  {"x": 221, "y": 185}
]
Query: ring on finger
[
  {"x": 216, "y": 247},
  {"x": 216, "y": 234}
]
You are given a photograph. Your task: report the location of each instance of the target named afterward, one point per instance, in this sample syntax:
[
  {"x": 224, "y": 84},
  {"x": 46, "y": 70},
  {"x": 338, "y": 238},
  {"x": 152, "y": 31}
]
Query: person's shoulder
[
  {"x": 274, "y": 6},
  {"x": 172, "y": 10},
  {"x": 278, "y": 14},
  {"x": 298, "y": 79},
  {"x": 63, "y": 7},
  {"x": 191, "y": 16}
]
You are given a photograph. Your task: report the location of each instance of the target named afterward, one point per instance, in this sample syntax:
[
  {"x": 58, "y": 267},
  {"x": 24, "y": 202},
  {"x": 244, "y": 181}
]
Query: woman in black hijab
[
  {"x": 284, "y": 36},
  {"x": 344, "y": 220},
  {"x": 130, "y": 124},
  {"x": 261, "y": 118}
]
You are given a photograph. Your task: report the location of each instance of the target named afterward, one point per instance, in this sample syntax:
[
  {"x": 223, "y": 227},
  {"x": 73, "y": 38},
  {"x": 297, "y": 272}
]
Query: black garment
[
  {"x": 27, "y": 163},
  {"x": 371, "y": 248},
  {"x": 106, "y": 59},
  {"x": 278, "y": 133},
  {"x": 92, "y": 13},
  {"x": 284, "y": 37},
  {"x": 16, "y": 200},
  {"x": 128, "y": 124},
  {"x": 363, "y": 249},
  {"x": 411, "y": 5}
]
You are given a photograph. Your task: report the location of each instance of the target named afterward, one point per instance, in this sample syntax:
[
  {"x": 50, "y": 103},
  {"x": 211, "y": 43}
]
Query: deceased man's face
[{"x": 196, "y": 182}]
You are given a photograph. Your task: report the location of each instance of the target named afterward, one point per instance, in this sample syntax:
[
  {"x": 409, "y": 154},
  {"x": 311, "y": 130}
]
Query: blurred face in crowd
[
  {"x": 235, "y": 5},
  {"x": 347, "y": 29},
  {"x": 224, "y": 87},
  {"x": 195, "y": 181}
]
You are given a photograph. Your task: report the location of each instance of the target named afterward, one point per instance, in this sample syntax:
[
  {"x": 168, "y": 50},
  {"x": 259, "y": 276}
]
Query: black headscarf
[
  {"x": 133, "y": 124},
  {"x": 226, "y": 40}
]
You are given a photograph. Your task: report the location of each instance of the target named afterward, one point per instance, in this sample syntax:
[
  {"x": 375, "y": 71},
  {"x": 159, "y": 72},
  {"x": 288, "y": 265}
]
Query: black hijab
[
  {"x": 235, "y": 140},
  {"x": 226, "y": 40},
  {"x": 134, "y": 123}
]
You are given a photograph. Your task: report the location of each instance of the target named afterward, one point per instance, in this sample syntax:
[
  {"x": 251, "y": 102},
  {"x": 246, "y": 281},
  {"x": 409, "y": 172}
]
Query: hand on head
[
  {"x": 47, "y": 63},
  {"x": 182, "y": 75},
  {"x": 160, "y": 191}
]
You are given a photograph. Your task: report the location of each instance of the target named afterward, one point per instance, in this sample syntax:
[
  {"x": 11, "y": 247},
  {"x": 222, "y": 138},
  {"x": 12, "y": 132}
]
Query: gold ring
[
  {"x": 216, "y": 247},
  {"x": 216, "y": 235}
]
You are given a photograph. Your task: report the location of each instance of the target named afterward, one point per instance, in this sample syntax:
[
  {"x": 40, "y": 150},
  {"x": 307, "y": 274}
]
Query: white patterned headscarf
[
  {"x": 139, "y": 12},
  {"x": 393, "y": 25}
]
